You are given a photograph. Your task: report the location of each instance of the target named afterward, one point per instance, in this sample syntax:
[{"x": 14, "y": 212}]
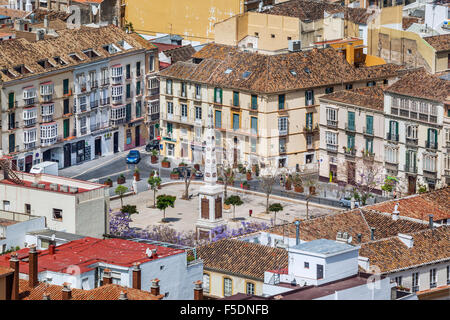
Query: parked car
[
  {"x": 133, "y": 157},
  {"x": 152, "y": 145},
  {"x": 345, "y": 202},
  {"x": 198, "y": 174}
]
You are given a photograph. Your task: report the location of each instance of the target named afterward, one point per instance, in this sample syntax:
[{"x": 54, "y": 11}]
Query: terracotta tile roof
[
  {"x": 419, "y": 206},
  {"x": 353, "y": 222},
  {"x": 106, "y": 292},
  {"x": 5, "y": 270},
  {"x": 39, "y": 14},
  {"x": 7, "y": 222},
  {"x": 392, "y": 254},
  {"x": 242, "y": 258},
  {"x": 12, "y": 13},
  {"x": 165, "y": 46},
  {"x": 440, "y": 42},
  {"x": 273, "y": 73},
  {"x": 20, "y": 51},
  {"x": 368, "y": 97},
  {"x": 314, "y": 10},
  {"x": 183, "y": 53},
  {"x": 408, "y": 21}
]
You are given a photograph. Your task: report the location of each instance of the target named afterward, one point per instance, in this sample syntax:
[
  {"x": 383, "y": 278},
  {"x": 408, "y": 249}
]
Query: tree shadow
[
  {"x": 238, "y": 219},
  {"x": 166, "y": 220}
]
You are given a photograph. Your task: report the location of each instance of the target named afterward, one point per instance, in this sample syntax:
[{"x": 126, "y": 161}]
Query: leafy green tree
[
  {"x": 275, "y": 207},
  {"x": 130, "y": 209},
  {"x": 163, "y": 202},
  {"x": 120, "y": 191},
  {"x": 154, "y": 183},
  {"x": 234, "y": 201}
]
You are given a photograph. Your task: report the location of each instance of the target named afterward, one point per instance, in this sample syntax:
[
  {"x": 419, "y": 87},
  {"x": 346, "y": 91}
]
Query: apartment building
[
  {"x": 75, "y": 97},
  {"x": 265, "y": 106},
  {"x": 351, "y": 133},
  {"x": 416, "y": 140}
]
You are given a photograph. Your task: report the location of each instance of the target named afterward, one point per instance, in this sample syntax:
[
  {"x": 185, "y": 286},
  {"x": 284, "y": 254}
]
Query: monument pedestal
[{"x": 210, "y": 213}]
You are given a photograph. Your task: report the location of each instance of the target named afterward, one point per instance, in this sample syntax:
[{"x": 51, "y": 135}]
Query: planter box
[
  {"x": 288, "y": 186},
  {"x": 299, "y": 189},
  {"x": 249, "y": 176},
  {"x": 137, "y": 175},
  {"x": 165, "y": 164},
  {"x": 197, "y": 166},
  {"x": 312, "y": 190},
  {"x": 108, "y": 183},
  {"x": 174, "y": 176},
  {"x": 121, "y": 180},
  {"x": 154, "y": 159}
]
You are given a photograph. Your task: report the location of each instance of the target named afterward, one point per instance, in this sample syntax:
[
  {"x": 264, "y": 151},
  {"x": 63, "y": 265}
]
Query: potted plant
[
  {"x": 121, "y": 179},
  {"x": 312, "y": 190},
  {"x": 108, "y": 182},
  {"x": 165, "y": 163},
  {"x": 152, "y": 173},
  {"x": 197, "y": 167},
  {"x": 288, "y": 184},
  {"x": 174, "y": 175},
  {"x": 136, "y": 174},
  {"x": 154, "y": 157},
  {"x": 182, "y": 164},
  {"x": 298, "y": 183},
  {"x": 220, "y": 180},
  {"x": 245, "y": 185},
  {"x": 249, "y": 175}
]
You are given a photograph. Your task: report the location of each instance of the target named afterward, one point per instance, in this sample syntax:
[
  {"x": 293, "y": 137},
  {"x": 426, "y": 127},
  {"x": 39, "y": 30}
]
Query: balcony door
[{"x": 411, "y": 184}]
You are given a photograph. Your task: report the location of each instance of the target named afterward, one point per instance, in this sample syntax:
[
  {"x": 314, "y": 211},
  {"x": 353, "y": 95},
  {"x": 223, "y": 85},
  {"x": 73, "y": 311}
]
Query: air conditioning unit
[{"x": 294, "y": 45}]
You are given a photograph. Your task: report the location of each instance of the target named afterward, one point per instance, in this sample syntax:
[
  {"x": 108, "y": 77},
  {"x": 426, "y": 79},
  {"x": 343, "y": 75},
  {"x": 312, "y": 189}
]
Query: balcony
[
  {"x": 182, "y": 94},
  {"x": 93, "y": 84},
  {"x": 350, "y": 127},
  {"x": 431, "y": 145},
  {"x": 29, "y": 101},
  {"x": 410, "y": 169},
  {"x": 283, "y": 132},
  {"x": 197, "y": 97},
  {"x": 332, "y": 123},
  {"x": 12, "y": 105},
  {"x": 412, "y": 141},
  {"x": 104, "y": 82},
  {"x": 83, "y": 130},
  {"x": 311, "y": 129},
  {"x": 94, "y": 104},
  {"x": 104, "y": 101},
  {"x": 392, "y": 137},
  {"x": 394, "y": 111},
  {"x": 29, "y": 122},
  {"x": 29, "y": 145},
  {"x": 154, "y": 116},
  {"x": 117, "y": 80},
  {"x": 46, "y": 98},
  {"x": 351, "y": 152},
  {"x": 447, "y": 144},
  {"x": 368, "y": 156},
  {"x": 153, "y": 92},
  {"x": 332, "y": 147},
  {"x": 47, "y": 118},
  {"x": 13, "y": 125},
  {"x": 368, "y": 131},
  {"x": 117, "y": 99}
]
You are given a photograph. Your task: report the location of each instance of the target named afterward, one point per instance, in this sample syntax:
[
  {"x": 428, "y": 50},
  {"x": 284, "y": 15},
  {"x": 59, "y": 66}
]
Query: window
[
  {"x": 227, "y": 287},
  {"x": 393, "y": 130},
  {"x": 283, "y": 125},
  {"x": 66, "y": 108},
  {"x": 329, "y": 90},
  {"x": 250, "y": 288},
  {"x": 433, "y": 278},
  {"x": 6, "y": 205},
  {"x": 57, "y": 214},
  {"x": 429, "y": 162},
  {"x": 11, "y": 100},
  {"x": 151, "y": 63},
  {"x": 235, "y": 98},
  {"x": 309, "y": 97},
  {"x": 348, "y": 86},
  {"x": 138, "y": 88},
  {"x": 309, "y": 140},
  {"x": 66, "y": 128},
  {"x": 331, "y": 117},
  {"x": 411, "y": 132},
  {"x": 369, "y": 145},
  {"x": 369, "y": 124},
  {"x": 432, "y": 139},
  {"x": 170, "y": 107},
  {"x": 281, "y": 98},
  {"x": 351, "y": 120},
  {"x": 272, "y": 36},
  {"x": 184, "y": 112},
  {"x": 128, "y": 71},
  {"x": 309, "y": 120},
  {"x": 183, "y": 89},
  {"x": 66, "y": 86},
  {"x": 282, "y": 145},
  {"x": 254, "y": 102},
  {"x": 169, "y": 86},
  {"x": 398, "y": 280},
  {"x": 198, "y": 113},
  {"x": 217, "y": 95},
  {"x": 198, "y": 91},
  {"x": 128, "y": 91},
  {"x": 206, "y": 283},
  {"x": 306, "y": 265},
  {"x": 448, "y": 274},
  {"x": 236, "y": 121},
  {"x": 253, "y": 145},
  {"x": 371, "y": 83},
  {"x": 138, "y": 109},
  {"x": 218, "y": 119},
  {"x": 169, "y": 128},
  {"x": 350, "y": 141},
  {"x": 254, "y": 125},
  {"x": 138, "y": 69}
]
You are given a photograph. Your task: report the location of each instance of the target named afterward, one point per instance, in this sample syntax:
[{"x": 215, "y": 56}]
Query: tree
[
  {"x": 267, "y": 179},
  {"x": 163, "y": 202},
  {"x": 275, "y": 207},
  {"x": 184, "y": 174},
  {"x": 310, "y": 181},
  {"x": 226, "y": 172},
  {"x": 154, "y": 183},
  {"x": 234, "y": 201},
  {"x": 120, "y": 191},
  {"x": 130, "y": 209}
]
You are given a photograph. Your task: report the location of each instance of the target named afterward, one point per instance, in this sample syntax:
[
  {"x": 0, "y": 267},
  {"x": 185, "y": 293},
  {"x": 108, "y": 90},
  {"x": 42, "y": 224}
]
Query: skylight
[
  {"x": 228, "y": 71},
  {"x": 246, "y": 74},
  {"x": 111, "y": 48},
  {"x": 91, "y": 53},
  {"x": 59, "y": 61},
  {"x": 307, "y": 70},
  {"x": 293, "y": 72}
]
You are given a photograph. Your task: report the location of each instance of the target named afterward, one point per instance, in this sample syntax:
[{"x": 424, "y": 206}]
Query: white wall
[
  {"x": 15, "y": 234},
  {"x": 381, "y": 290}
]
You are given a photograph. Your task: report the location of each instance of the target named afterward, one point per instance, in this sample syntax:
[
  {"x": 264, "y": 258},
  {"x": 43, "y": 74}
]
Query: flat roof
[
  {"x": 324, "y": 246},
  {"x": 58, "y": 234}
]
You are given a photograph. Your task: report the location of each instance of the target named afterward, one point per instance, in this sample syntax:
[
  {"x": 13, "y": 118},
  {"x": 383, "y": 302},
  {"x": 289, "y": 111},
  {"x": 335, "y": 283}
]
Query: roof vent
[
  {"x": 406, "y": 239},
  {"x": 64, "y": 188},
  {"x": 294, "y": 45},
  {"x": 395, "y": 213}
]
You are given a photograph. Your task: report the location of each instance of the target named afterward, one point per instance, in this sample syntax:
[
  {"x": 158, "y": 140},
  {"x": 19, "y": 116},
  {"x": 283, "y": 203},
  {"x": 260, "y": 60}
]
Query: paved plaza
[{"x": 184, "y": 215}]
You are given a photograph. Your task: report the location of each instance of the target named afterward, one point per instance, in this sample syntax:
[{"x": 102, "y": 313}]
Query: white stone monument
[{"x": 210, "y": 195}]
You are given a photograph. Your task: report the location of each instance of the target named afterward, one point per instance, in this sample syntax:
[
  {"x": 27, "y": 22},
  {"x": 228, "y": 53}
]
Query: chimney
[
  {"x": 14, "y": 264},
  {"x": 372, "y": 233},
  {"x": 395, "y": 213},
  {"x": 33, "y": 267},
  {"x": 51, "y": 249},
  {"x": 430, "y": 221},
  {"x": 198, "y": 290},
  {"x": 406, "y": 239},
  {"x": 46, "y": 296},
  {"x": 136, "y": 276},
  {"x": 123, "y": 295},
  {"x": 66, "y": 291},
  {"x": 107, "y": 277},
  {"x": 154, "y": 289}
]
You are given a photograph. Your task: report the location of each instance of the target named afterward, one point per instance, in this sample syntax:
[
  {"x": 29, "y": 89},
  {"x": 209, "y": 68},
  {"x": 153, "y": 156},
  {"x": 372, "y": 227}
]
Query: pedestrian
[{"x": 134, "y": 185}]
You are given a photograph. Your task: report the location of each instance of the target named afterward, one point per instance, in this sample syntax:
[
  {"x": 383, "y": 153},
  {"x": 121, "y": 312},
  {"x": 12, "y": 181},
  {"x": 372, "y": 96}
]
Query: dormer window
[
  {"x": 8, "y": 73},
  {"x": 59, "y": 61},
  {"x": 91, "y": 53},
  {"x": 45, "y": 64},
  {"x": 111, "y": 48},
  {"x": 124, "y": 45},
  {"x": 307, "y": 70},
  {"x": 21, "y": 69},
  {"x": 293, "y": 72},
  {"x": 75, "y": 57}
]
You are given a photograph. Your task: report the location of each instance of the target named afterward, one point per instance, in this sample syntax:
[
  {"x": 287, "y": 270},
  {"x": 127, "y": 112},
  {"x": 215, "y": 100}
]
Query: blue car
[{"x": 133, "y": 157}]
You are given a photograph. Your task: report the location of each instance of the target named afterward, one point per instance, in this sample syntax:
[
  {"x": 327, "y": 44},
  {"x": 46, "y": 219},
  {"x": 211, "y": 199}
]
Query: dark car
[
  {"x": 152, "y": 145},
  {"x": 133, "y": 157},
  {"x": 181, "y": 170}
]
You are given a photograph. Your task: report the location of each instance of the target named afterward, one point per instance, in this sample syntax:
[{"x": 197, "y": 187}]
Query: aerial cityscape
[{"x": 225, "y": 150}]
